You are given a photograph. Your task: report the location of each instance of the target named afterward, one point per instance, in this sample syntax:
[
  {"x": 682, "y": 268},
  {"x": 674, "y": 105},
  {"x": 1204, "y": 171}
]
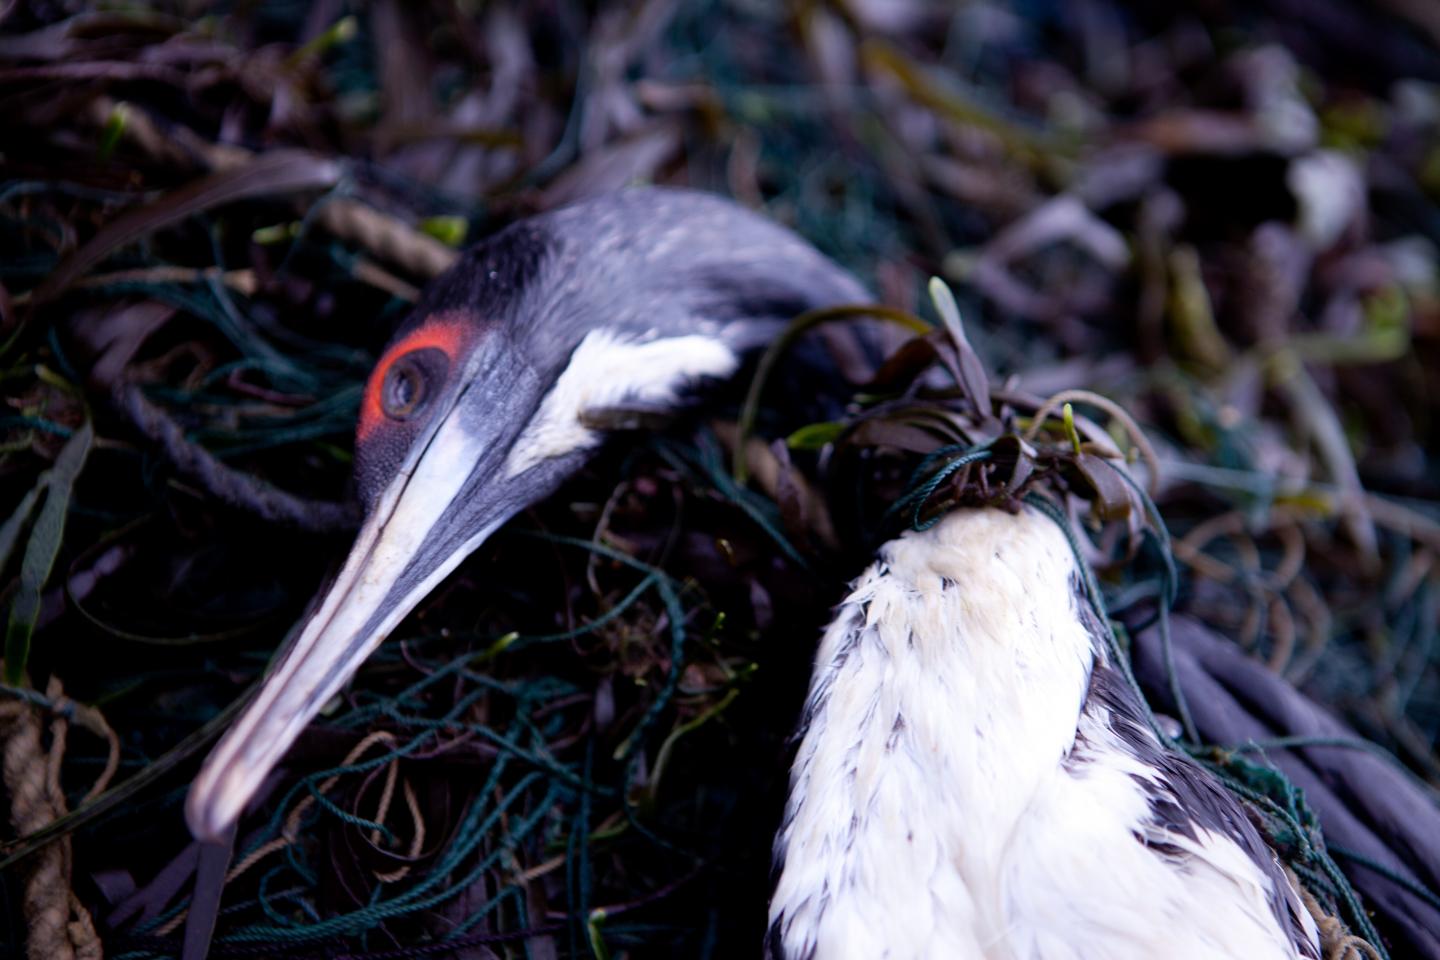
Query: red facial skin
[{"x": 443, "y": 331}]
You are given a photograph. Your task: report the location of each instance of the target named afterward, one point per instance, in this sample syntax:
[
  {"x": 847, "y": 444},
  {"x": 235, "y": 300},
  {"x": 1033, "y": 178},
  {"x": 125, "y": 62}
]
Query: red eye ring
[{"x": 444, "y": 332}]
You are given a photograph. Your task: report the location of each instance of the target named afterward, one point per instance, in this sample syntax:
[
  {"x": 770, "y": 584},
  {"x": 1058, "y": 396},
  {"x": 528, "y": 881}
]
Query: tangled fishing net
[{"x": 1221, "y": 228}]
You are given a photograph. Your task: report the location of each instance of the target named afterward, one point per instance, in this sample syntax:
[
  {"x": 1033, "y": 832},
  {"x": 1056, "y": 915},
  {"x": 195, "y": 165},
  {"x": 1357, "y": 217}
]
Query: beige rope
[
  {"x": 1336, "y": 942},
  {"x": 291, "y": 831},
  {"x": 59, "y": 926}
]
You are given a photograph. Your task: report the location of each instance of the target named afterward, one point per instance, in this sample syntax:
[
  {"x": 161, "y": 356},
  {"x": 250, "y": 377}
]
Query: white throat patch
[{"x": 606, "y": 371}]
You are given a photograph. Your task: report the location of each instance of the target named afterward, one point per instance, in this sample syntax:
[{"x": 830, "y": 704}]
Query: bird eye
[{"x": 405, "y": 388}]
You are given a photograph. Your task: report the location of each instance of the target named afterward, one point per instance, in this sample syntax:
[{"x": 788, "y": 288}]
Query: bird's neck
[{"x": 945, "y": 692}]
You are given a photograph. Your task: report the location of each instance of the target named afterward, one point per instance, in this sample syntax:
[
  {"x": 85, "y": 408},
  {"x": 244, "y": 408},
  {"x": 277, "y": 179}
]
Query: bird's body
[{"x": 974, "y": 780}]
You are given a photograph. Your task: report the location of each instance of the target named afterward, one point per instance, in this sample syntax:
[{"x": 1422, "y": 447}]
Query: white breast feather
[
  {"x": 606, "y": 370},
  {"x": 931, "y": 815}
]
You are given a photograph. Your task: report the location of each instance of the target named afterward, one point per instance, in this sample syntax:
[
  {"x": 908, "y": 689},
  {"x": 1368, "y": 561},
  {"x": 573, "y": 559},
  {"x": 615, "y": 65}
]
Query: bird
[
  {"x": 484, "y": 402},
  {"x": 972, "y": 778},
  {"x": 976, "y": 778}
]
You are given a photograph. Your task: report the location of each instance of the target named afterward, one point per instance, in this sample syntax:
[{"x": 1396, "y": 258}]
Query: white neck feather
[{"x": 606, "y": 370}]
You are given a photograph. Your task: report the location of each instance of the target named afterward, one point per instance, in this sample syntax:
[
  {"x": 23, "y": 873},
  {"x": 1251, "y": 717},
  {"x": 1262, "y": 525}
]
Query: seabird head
[{"x": 478, "y": 408}]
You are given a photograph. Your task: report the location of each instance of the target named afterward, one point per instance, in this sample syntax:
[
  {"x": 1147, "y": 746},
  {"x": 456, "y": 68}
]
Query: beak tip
[{"x": 207, "y": 814}]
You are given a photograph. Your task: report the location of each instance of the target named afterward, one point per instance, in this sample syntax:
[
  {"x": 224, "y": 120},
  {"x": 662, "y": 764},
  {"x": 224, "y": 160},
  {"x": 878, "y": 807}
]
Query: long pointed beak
[{"x": 410, "y": 542}]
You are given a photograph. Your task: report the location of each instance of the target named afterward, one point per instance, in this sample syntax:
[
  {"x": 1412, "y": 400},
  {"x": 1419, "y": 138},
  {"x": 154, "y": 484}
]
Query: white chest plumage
[{"x": 973, "y": 781}]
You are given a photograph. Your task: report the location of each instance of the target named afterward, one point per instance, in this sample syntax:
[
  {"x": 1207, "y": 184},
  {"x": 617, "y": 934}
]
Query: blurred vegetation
[{"x": 1223, "y": 216}]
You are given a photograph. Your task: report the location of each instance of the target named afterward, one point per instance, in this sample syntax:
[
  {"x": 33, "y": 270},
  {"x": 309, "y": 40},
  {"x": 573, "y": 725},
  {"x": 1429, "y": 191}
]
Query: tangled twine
[
  {"x": 59, "y": 926},
  {"x": 1336, "y": 940},
  {"x": 293, "y": 823}
]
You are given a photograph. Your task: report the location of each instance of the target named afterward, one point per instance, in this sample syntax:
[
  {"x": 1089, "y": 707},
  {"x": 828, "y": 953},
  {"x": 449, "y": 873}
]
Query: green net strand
[
  {"x": 921, "y": 488},
  {"x": 545, "y": 785},
  {"x": 1400, "y": 880},
  {"x": 705, "y": 462},
  {"x": 1157, "y": 532}
]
